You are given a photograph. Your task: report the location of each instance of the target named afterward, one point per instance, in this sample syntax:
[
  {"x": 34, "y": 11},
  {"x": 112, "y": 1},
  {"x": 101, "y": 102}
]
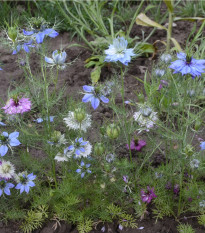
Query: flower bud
[
  {"x": 166, "y": 58},
  {"x": 141, "y": 98},
  {"x": 79, "y": 114},
  {"x": 197, "y": 125},
  {"x": 189, "y": 150},
  {"x": 113, "y": 131},
  {"x": 159, "y": 73},
  {"x": 99, "y": 148},
  {"x": 12, "y": 33}
]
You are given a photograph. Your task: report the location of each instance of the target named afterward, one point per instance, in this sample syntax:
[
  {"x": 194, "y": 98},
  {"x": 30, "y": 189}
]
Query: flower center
[
  {"x": 3, "y": 139},
  {"x": 188, "y": 59}
]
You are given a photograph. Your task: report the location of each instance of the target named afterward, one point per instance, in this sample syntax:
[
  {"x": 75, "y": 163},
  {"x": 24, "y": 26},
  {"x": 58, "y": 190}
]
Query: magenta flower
[
  {"x": 147, "y": 196},
  {"x": 16, "y": 105},
  {"x": 136, "y": 145}
]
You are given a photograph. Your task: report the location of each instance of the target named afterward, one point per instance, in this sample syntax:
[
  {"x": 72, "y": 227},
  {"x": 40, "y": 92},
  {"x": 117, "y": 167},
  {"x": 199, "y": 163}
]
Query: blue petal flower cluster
[
  {"x": 78, "y": 147},
  {"x": 26, "y": 181},
  {"x": 8, "y": 140},
  {"x": 94, "y": 96},
  {"x": 118, "y": 51},
  {"x": 39, "y": 35},
  {"x": 83, "y": 169},
  {"x": 24, "y": 46},
  {"x": 188, "y": 65}
]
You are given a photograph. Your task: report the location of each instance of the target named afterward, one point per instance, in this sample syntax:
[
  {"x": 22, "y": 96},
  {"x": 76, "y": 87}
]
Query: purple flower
[
  {"x": 5, "y": 187},
  {"x": 168, "y": 186},
  {"x": 188, "y": 65},
  {"x": 94, "y": 96},
  {"x": 162, "y": 84},
  {"x": 148, "y": 196},
  {"x": 136, "y": 145},
  {"x": 39, "y": 35},
  {"x": 26, "y": 181},
  {"x": 125, "y": 178},
  {"x": 202, "y": 145},
  {"x": 176, "y": 189},
  {"x": 24, "y": 46},
  {"x": 83, "y": 169}
]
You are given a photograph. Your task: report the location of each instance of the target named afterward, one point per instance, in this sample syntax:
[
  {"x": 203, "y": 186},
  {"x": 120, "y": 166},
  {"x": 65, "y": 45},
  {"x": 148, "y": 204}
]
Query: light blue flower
[
  {"x": 78, "y": 147},
  {"x": 202, "y": 145},
  {"x": 118, "y": 51},
  {"x": 40, "y": 120},
  {"x": 24, "y": 46},
  {"x": 26, "y": 181},
  {"x": 188, "y": 65},
  {"x": 83, "y": 169},
  {"x": 5, "y": 187},
  {"x": 94, "y": 96},
  {"x": 2, "y": 124},
  {"x": 1, "y": 68},
  {"x": 8, "y": 140},
  {"x": 39, "y": 35},
  {"x": 58, "y": 58}
]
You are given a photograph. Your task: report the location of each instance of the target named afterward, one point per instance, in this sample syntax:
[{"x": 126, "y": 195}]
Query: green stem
[{"x": 169, "y": 31}]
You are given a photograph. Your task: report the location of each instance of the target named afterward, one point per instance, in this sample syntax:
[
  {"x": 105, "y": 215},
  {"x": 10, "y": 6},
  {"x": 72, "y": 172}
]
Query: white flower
[
  {"x": 58, "y": 58},
  {"x": 57, "y": 139},
  {"x": 202, "y": 203},
  {"x": 7, "y": 169},
  {"x": 166, "y": 58},
  {"x": 146, "y": 118},
  {"x": 194, "y": 163},
  {"x": 72, "y": 123},
  {"x": 61, "y": 157}
]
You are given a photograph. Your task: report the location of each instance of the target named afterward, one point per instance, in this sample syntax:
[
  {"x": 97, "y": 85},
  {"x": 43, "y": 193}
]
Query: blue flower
[
  {"x": 78, "y": 147},
  {"x": 40, "y": 120},
  {"x": 202, "y": 145},
  {"x": 2, "y": 124},
  {"x": 8, "y": 140},
  {"x": 39, "y": 35},
  {"x": 5, "y": 187},
  {"x": 94, "y": 96},
  {"x": 118, "y": 51},
  {"x": 24, "y": 46},
  {"x": 188, "y": 65},
  {"x": 1, "y": 68},
  {"x": 26, "y": 181},
  {"x": 83, "y": 169},
  {"x": 58, "y": 58}
]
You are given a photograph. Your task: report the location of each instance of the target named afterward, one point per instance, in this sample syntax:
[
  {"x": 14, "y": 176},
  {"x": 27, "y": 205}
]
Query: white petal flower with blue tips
[{"x": 58, "y": 58}]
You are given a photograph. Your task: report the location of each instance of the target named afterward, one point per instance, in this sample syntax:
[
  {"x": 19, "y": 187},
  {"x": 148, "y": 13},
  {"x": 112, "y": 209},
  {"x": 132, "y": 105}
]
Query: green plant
[{"x": 185, "y": 228}]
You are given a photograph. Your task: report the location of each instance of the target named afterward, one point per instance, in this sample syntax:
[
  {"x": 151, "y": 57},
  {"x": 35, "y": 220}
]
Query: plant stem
[{"x": 169, "y": 31}]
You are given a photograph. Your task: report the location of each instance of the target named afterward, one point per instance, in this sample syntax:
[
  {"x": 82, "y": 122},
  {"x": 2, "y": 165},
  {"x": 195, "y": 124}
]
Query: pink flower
[
  {"x": 147, "y": 196},
  {"x": 136, "y": 145},
  {"x": 15, "y": 106}
]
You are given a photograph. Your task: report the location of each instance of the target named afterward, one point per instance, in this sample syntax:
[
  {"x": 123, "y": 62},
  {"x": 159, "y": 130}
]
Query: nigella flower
[
  {"x": 125, "y": 179},
  {"x": 24, "y": 46},
  {"x": 176, "y": 189},
  {"x": 25, "y": 182},
  {"x": 1, "y": 68},
  {"x": 40, "y": 34},
  {"x": 7, "y": 169},
  {"x": 62, "y": 157},
  {"x": 8, "y": 140},
  {"x": 136, "y": 144},
  {"x": 118, "y": 51},
  {"x": 58, "y": 58},
  {"x": 78, "y": 120},
  {"x": 194, "y": 163},
  {"x": 188, "y": 65},
  {"x": 159, "y": 73},
  {"x": 16, "y": 105},
  {"x": 202, "y": 145},
  {"x": 166, "y": 58},
  {"x": 2, "y": 124},
  {"x": 163, "y": 83},
  {"x": 57, "y": 139},
  {"x": 110, "y": 158},
  {"x": 40, "y": 120},
  {"x": 80, "y": 148},
  {"x": 5, "y": 187},
  {"x": 94, "y": 96},
  {"x": 146, "y": 118},
  {"x": 83, "y": 169},
  {"x": 202, "y": 203},
  {"x": 148, "y": 196}
]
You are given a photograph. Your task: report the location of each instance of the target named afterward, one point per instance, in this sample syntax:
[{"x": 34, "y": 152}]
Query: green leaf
[
  {"x": 147, "y": 48},
  {"x": 143, "y": 20},
  {"x": 95, "y": 74},
  {"x": 169, "y": 4},
  {"x": 189, "y": 18},
  {"x": 176, "y": 44}
]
